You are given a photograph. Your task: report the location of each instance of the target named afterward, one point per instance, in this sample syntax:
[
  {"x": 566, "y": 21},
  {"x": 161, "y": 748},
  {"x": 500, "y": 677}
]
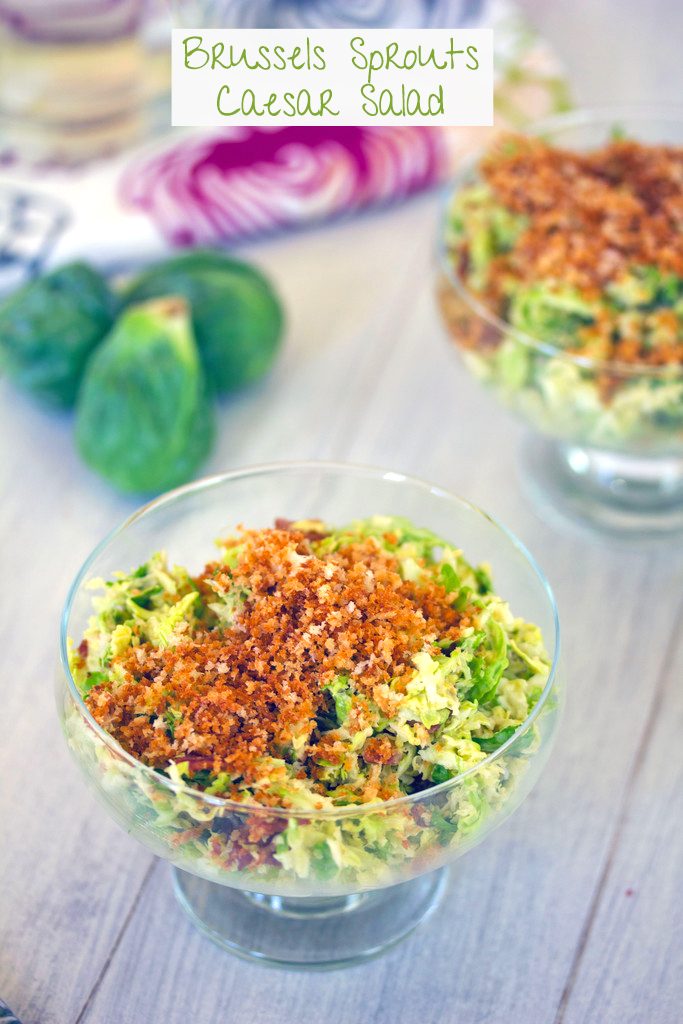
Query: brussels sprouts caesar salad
[
  {"x": 580, "y": 256},
  {"x": 311, "y": 670}
]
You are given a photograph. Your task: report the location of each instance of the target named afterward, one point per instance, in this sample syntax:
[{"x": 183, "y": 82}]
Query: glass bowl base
[
  {"x": 618, "y": 494},
  {"x": 307, "y": 933}
]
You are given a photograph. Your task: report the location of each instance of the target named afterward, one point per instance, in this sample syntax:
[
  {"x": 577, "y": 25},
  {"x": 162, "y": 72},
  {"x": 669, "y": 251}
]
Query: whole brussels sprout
[
  {"x": 236, "y": 315},
  {"x": 49, "y": 327},
  {"x": 143, "y": 418}
]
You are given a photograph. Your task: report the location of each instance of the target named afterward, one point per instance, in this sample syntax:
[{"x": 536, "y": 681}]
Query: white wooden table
[{"x": 572, "y": 912}]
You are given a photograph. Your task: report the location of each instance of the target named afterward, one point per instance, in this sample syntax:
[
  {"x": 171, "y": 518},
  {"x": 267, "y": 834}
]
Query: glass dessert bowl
[
  {"x": 595, "y": 370},
  {"x": 298, "y": 886}
]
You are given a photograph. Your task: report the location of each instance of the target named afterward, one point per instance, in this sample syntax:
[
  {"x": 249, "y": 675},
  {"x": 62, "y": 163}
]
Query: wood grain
[
  {"x": 518, "y": 904},
  {"x": 631, "y": 961},
  {"x": 111, "y": 940},
  {"x": 571, "y": 913}
]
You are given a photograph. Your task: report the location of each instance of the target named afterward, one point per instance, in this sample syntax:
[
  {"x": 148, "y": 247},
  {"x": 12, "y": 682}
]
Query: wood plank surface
[
  {"x": 630, "y": 964},
  {"x": 504, "y": 943},
  {"x": 570, "y": 913}
]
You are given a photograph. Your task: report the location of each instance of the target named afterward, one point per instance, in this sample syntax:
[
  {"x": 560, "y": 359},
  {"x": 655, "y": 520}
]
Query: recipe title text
[{"x": 332, "y": 76}]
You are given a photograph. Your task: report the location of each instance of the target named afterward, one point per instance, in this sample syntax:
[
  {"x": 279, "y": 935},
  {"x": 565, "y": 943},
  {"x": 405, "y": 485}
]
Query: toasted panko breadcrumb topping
[
  {"x": 591, "y": 215},
  {"x": 591, "y": 218},
  {"x": 253, "y": 689}
]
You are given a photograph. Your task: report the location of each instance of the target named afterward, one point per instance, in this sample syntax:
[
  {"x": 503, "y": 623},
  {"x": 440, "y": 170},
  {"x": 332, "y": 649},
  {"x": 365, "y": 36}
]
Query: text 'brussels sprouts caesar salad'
[
  {"x": 581, "y": 252},
  {"x": 315, "y": 669}
]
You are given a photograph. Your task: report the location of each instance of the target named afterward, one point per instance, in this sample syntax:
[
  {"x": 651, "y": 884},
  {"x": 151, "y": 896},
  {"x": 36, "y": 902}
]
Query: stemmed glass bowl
[
  {"x": 277, "y": 908},
  {"x": 606, "y": 441}
]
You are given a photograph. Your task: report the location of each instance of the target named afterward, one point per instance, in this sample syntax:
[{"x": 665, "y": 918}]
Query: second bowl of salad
[{"x": 561, "y": 283}]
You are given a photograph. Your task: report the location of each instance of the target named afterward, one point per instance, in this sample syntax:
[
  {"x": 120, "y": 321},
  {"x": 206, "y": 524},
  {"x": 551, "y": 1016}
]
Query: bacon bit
[
  {"x": 329, "y": 748},
  {"x": 247, "y": 692},
  {"x": 240, "y": 858},
  {"x": 197, "y": 763},
  {"x": 261, "y": 829},
  {"x": 288, "y": 524},
  {"x": 283, "y": 524},
  {"x": 187, "y": 835},
  {"x": 420, "y": 814},
  {"x": 379, "y": 750}
]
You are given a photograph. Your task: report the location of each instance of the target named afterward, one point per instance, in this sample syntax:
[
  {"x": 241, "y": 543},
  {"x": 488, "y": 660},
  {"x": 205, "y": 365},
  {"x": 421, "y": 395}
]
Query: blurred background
[
  {"x": 89, "y": 165},
  {"x": 78, "y": 78},
  {"x": 615, "y": 52},
  {"x": 84, "y": 103}
]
